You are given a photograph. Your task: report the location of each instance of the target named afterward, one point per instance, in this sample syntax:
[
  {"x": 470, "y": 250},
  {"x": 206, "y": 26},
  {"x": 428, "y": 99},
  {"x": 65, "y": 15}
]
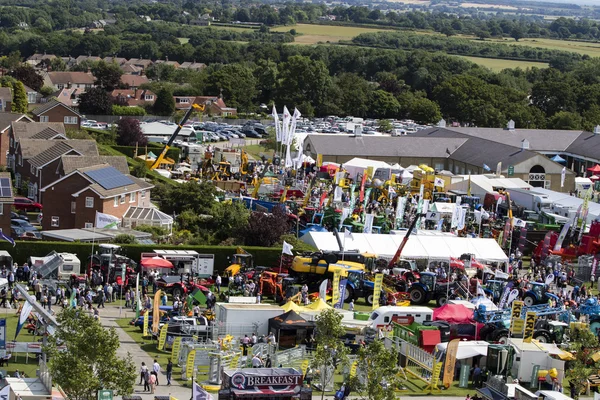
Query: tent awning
[{"x": 467, "y": 349}]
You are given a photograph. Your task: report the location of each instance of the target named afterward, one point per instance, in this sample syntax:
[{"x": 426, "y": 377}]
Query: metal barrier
[{"x": 422, "y": 365}]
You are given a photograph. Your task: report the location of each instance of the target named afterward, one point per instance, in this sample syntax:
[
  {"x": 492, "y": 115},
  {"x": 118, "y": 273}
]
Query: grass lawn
[
  {"x": 496, "y": 64},
  {"x": 256, "y": 150},
  {"x": 313, "y": 34},
  {"x": 589, "y": 48}
]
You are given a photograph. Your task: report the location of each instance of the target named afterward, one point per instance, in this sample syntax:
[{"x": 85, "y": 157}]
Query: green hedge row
[
  {"x": 129, "y": 151},
  {"x": 21, "y": 252}
]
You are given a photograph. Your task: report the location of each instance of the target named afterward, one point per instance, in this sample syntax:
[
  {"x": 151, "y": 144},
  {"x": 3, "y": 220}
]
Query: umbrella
[
  {"x": 155, "y": 262},
  {"x": 595, "y": 169},
  {"x": 558, "y": 159},
  {"x": 476, "y": 264},
  {"x": 456, "y": 263}
]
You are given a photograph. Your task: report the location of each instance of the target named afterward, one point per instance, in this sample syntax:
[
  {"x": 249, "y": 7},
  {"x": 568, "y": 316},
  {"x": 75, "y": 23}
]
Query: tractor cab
[
  {"x": 537, "y": 293},
  {"x": 427, "y": 279},
  {"x": 239, "y": 262},
  {"x": 495, "y": 288}
]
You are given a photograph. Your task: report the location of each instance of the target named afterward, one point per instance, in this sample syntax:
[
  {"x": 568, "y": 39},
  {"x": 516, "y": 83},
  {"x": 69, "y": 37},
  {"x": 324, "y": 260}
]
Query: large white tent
[
  {"x": 419, "y": 246},
  {"x": 357, "y": 166}
]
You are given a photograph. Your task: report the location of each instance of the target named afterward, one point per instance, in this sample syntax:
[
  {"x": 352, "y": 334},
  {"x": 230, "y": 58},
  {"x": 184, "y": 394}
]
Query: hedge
[
  {"x": 173, "y": 152},
  {"x": 128, "y": 111},
  {"x": 267, "y": 256}
]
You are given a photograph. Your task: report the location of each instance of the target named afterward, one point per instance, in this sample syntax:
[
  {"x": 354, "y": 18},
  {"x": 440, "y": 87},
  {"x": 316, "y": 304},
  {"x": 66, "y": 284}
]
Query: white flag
[
  {"x": 439, "y": 182},
  {"x": 563, "y": 174},
  {"x": 107, "y": 221},
  {"x": 337, "y": 194},
  {"x": 368, "y": 228},
  {"x": 499, "y": 168},
  {"x": 199, "y": 393},
  {"x": 348, "y": 234},
  {"x": 277, "y": 127},
  {"x": 323, "y": 290},
  {"x": 285, "y": 125},
  {"x": 287, "y": 248}
]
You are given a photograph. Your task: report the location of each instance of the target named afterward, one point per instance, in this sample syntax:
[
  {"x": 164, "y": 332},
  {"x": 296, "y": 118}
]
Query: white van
[
  {"x": 382, "y": 316},
  {"x": 551, "y": 395}
]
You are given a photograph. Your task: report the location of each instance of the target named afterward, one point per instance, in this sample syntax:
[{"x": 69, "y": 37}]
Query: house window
[
  {"x": 88, "y": 86},
  {"x": 143, "y": 195},
  {"x": 44, "y": 118},
  {"x": 89, "y": 202},
  {"x": 12, "y": 142},
  {"x": 122, "y": 199},
  {"x": 20, "y": 160},
  {"x": 116, "y": 201},
  {"x": 148, "y": 97},
  {"x": 18, "y": 180},
  {"x": 1, "y": 208},
  {"x": 89, "y": 225},
  {"x": 54, "y": 221},
  {"x": 31, "y": 189},
  {"x": 183, "y": 101},
  {"x": 132, "y": 197},
  {"x": 31, "y": 97},
  {"x": 70, "y": 120},
  {"x": 73, "y": 207},
  {"x": 60, "y": 86}
]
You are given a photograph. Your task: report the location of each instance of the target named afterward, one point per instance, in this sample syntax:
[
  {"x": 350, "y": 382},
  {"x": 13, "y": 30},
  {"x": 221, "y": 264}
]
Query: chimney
[
  {"x": 441, "y": 123},
  {"x": 68, "y": 85},
  {"x": 597, "y": 130},
  {"x": 511, "y": 126},
  {"x": 524, "y": 144}
]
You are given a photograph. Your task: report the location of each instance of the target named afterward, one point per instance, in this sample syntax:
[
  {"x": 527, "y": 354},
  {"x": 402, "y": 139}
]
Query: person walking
[
  {"x": 152, "y": 382},
  {"x": 169, "y": 372},
  {"x": 156, "y": 370},
  {"x": 143, "y": 370},
  {"x": 218, "y": 283},
  {"x": 3, "y": 297}
]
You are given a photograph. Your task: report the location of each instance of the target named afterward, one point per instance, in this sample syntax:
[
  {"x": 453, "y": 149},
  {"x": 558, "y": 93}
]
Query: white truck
[
  {"x": 529, "y": 199},
  {"x": 187, "y": 261},
  {"x": 59, "y": 266},
  {"x": 244, "y": 319}
]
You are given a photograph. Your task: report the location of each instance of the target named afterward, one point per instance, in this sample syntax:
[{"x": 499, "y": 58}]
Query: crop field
[
  {"x": 590, "y": 48},
  {"x": 496, "y": 64},
  {"x": 313, "y": 34}
]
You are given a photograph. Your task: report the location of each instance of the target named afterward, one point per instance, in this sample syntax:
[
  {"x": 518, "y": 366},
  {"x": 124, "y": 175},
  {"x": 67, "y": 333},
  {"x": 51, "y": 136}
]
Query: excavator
[{"x": 161, "y": 157}]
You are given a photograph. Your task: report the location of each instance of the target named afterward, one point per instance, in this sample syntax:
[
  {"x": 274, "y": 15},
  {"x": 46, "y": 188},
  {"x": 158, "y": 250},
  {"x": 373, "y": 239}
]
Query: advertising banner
[
  {"x": 377, "y": 290},
  {"x": 450, "y": 363},
  {"x": 335, "y": 286},
  {"x": 163, "y": 337},
  {"x": 529, "y": 327}
]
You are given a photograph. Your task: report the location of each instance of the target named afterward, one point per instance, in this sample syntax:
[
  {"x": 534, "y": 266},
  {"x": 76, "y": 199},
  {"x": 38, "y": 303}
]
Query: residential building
[
  {"x": 130, "y": 69},
  {"x": 69, "y": 97},
  {"x": 55, "y": 111},
  {"x": 6, "y": 120},
  {"x": 214, "y": 105},
  {"x": 143, "y": 63},
  {"x": 174, "y": 64},
  {"x": 77, "y": 80},
  {"x": 81, "y": 59},
  {"x": 69, "y": 163},
  {"x": 37, "y": 58},
  {"x": 131, "y": 98},
  {"x": 116, "y": 60},
  {"x": 194, "y": 66},
  {"x": 133, "y": 81},
  {"x": 33, "y": 96},
  {"x": 5, "y": 99},
  {"x": 38, "y": 161},
  {"x": 100, "y": 188},
  {"x": 6, "y": 202}
]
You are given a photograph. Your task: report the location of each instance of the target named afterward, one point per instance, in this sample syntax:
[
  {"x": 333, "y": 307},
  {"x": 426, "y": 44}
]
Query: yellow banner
[
  {"x": 175, "y": 349},
  {"x": 517, "y": 307},
  {"x": 189, "y": 365},
  {"x": 353, "y": 369},
  {"x": 304, "y": 367},
  {"x": 370, "y": 172},
  {"x": 163, "y": 337},
  {"x": 450, "y": 363},
  {"x": 335, "y": 286},
  {"x": 319, "y": 160},
  {"x": 435, "y": 377},
  {"x": 156, "y": 312},
  {"x": 529, "y": 327},
  {"x": 517, "y": 326},
  {"x": 377, "y": 290},
  {"x": 145, "y": 330}
]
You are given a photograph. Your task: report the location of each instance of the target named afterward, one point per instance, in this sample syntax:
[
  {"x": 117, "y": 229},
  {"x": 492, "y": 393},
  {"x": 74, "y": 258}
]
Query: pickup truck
[{"x": 189, "y": 325}]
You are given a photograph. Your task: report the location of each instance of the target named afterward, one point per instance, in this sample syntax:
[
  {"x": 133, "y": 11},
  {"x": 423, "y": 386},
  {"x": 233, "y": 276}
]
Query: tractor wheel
[
  {"x": 418, "y": 295},
  {"x": 441, "y": 300},
  {"x": 177, "y": 292},
  {"x": 529, "y": 300},
  {"x": 348, "y": 294},
  {"x": 542, "y": 336},
  {"x": 500, "y": 336},
  {"x": 486, "y": 332},
  {"x": 370, "y": 297},
  {"x": 330, "y": 258}
]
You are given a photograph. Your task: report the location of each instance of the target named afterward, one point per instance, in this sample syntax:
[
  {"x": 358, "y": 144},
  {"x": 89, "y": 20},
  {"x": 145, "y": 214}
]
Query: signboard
[
  {"x": 517, "y": 326},
  {"x": 175, "y": 349},
  {"x": 104, "y": 394},
  {"x": 342, "y": 289},
  {"x": 450, "y": 363},
  {"x": 189, "y": 365},
  {"x": 517, "y": 307},
  {"x": 383, "y": 174},
  {"x": 511, "y": 170},
  {"x": 529, "y": 327},
  {"x": 205, "y": 264},
  {"x": 335, "y": 286},
  {"x": 464, "y": 376},
  {"x": 145, "y": 326},
  {"x": 534, "y": 377},
  {"x": 3, "y": 333},
  {"x": 377, "y": 290},
  {"x": 241, "y": 381},
  {"x": 163, "y": 337},
  {"x": 537, "y": 177}
]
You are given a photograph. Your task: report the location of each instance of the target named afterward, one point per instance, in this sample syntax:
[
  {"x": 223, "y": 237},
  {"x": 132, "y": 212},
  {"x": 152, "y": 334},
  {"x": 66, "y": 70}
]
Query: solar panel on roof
[
  {"x": 109, "y": 178},
  {"x": 5, "y": 187}
]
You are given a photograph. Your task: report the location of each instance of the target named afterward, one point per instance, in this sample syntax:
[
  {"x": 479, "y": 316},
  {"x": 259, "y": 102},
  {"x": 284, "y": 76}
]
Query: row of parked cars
[
  {"x": 20, "y": 225},
  {"x": 215, "y": 132}
]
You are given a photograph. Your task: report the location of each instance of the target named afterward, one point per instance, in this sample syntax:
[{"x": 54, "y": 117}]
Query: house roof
[
  {"x": 134, "y": 80},
  {"x": 61, "y": 147},
  {"x": 477, "y": 151},
  {"x": 192, "y": 65},
  {"x": 5, "y": 93},
  {"x": 25, "y": 130},
  {"x": 86, "y": 58},
  {"x": 33, "y": 147},
  {"x": 117, "y": 60},
  {"x": 50, "y": 105},
  {"x": 173, "y": 63},
  {"x": 71, "y": 163},
  {"x": 133, "y": 97},
  {"x": 40, "y": 57},
  {"x": 73, "y": 77},
  {"x": 48, "y": 134},
  {"x": 7, "y": 118},
  {"x": 29, "y": 90},
  {"x": 130, "y": 69},
  {"x": 143, "y": 62},
  {"x": 149, "y": 214},
  {"x": 587, "y": 145},
  {"x": 68, "y": 96},
  {"x": 382, "y": 146},
  {"x": 9, "y": 198}
]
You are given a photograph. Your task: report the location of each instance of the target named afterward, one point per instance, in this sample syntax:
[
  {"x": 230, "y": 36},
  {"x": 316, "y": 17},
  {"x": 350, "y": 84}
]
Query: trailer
[
  {"x": 187, "y": 261},
  {"x": 529, "y": 199},
  {"x": 245, "y": 319},
  {"x": 59, "y": 266}
]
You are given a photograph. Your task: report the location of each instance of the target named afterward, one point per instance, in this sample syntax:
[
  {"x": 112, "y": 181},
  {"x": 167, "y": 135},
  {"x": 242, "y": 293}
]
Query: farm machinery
[{"x": 427, "y": 288}]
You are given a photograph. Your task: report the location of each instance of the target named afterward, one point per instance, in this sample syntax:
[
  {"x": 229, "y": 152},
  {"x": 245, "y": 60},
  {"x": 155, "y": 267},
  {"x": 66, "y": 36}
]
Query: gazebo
[
  {"x": 151, "y": 216},
  {"x": 290, "y": 329}
]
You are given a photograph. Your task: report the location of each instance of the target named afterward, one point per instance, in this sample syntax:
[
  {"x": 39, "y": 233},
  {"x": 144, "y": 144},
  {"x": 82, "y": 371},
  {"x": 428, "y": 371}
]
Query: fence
[{"x": 583, "y": 269}]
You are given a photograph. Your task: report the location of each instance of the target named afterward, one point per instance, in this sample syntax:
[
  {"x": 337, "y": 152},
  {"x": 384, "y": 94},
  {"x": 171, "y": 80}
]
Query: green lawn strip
[{"x": 31, "y": 366}]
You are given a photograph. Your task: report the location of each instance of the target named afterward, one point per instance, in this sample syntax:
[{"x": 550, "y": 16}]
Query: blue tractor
[
  {"x": 427, "y": 289},
  {"x": 359, "y": 286},
  {"x": 538, "y": 293}
]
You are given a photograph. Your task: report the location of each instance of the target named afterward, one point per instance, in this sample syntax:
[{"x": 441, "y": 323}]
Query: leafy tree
[
  {"x": 129, "y": 133},
  {"x": 517, "y": 32},
  {"x": 46, "y": 90},
  {"x": 565, "y": 120},
  {"x": 193, "y": 196},
  {"x": 165, "y": 104},
  {"x": 229, "y": 219},
  {"x": 378, "y": 369},
  {"x": 57, "y": 64},
  {"x": 265, "y": 229},
  {"x": 383, "y": 105},
  {"x": 425, "y": 111},
  {"x": 583, "y": 345},
  {"x": 330, "y": 352},
  {"x": 124, "y": 238},
  {"x": 140, "y": 170},
  {"x": 26, "y": 74},
  {"x": 19, "y": 100},
  {"x": 385, "y": 125},
  {"x": 237, "y": 83},
  {"x": 108, "y": 75},
  {"x": 90, "y": 360},
  {"x": 354, "y": 94},
  {"x": 95, "y": 101}
]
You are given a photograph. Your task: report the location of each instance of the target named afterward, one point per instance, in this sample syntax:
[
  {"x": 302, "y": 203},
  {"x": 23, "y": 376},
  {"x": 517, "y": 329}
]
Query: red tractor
[{"x": 178, "y": 286}]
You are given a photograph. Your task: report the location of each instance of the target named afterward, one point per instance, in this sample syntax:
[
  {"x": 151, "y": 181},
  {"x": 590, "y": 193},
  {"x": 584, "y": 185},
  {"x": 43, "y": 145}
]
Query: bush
[{"x": 128, "y": 111}]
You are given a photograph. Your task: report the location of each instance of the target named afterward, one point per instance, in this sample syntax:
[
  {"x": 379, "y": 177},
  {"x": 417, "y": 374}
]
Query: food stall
[{"x": 264, "y": 384}]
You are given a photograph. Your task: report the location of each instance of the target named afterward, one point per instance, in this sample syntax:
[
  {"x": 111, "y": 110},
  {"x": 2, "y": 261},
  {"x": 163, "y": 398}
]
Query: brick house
[
  {"x": 194, "y": 66},
  {"x": 55, "y": 111},
  {"x": 214, "y": 104},
  {"x": 38, "y": 161},
  {"x": 142, "y": 63},
  {"x": 73, "y": 200},
  {"x": 131, "y": 98},
  {"x": 69, "y": 80},
  {"x": 24, "y": 129},
  {"x": 133, "y": 81},
  {"x": 5, "y": 99},
  {"x": 6, "y": 120},
  {"x": 6, "y": 202}
]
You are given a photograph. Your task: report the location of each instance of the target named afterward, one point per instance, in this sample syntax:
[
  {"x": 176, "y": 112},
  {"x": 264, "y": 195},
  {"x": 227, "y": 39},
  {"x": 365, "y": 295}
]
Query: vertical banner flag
[
  {"x": 3, "y": 333},
  {"x": 594, "y": 266},
  {"x": 419, "y": 210},
  {"x": 451, "y": 351},
  {"x": 175, "y": 349},
  {"x": 342, "y": 290},
  {"x": 400, "y": 206},
  {"x": 156, "y": 312},
  {"x": 546, "y": 245},
  {"x": 561, "y": 237},
  {"x": 346, "y": 211},
  {"x": 335, "y": 287},
  {"x": 529, "y": 327},
  {"x": 563, "y": 174},
  {"x": 366, "y": 202},
  {"x": 352, "y": 195},
  {"x": 421, "y": 191},
  {"x": 323, "y": 290},
  {"x": 506, "y": 233},
  {"x": 505, "y": 294},
  {"x": 337, "y": 194},
  {"x": 499, "y": 168},
  {"x": 200, "y": 393},
  {"x": 290, "y": 138},
  {"x": 516, "y": 323},
  {"x": 145, "y": 330},
  {"x": 25, "y": 311},
  {"x": 368, "y": 228},
  {"x": 138, "y": 302},
  {"x": 189, "y": 365},
  {"x": 523, "y": 240},
  {"x": 377, "y": 290},
  {"x": 285, "y": 126},
  {"x": 319, "y": 160},
  {"x": 361, "y": 193},
  {"x": 438, "y": 182},
  {"x": 162, "y": 339},
  {"x": 277, "y": 128}
]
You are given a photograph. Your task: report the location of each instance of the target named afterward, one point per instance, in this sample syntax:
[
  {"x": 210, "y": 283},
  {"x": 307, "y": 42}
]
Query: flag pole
[
  {"x": 344, "y": 246},
  {"x": 92, "y": 257}
]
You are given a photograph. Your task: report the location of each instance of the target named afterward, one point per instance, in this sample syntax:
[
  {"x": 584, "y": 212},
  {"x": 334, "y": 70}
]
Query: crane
[
  {"x": 403, "y": 243},
  {"x": 160, "y": 158}
]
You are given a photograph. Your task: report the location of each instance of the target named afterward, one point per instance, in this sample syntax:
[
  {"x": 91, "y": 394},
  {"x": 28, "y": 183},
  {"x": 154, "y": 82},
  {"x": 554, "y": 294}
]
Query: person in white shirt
[
  {"x": 156, "y": 370},
  {"x": 256, "y": 361},
  {"x": 143, "y": 370}
]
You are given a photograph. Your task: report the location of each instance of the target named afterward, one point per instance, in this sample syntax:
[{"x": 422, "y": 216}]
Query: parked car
[
  {"x": 14, "y": 215},
  {"x": 21, "y": 223},
  {"x": 28, "y": 205}
]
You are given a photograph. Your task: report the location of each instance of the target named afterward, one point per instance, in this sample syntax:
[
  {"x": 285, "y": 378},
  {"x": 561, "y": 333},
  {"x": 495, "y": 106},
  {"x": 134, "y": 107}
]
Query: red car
[{"x": 28, "y": 205}]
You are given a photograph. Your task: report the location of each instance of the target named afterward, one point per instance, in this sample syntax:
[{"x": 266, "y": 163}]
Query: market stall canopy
[
  {"x": 291, "y": 306},
  {"x": 484, "y": 301},
  {"x": 420, "y": 246},
  {"x": 357, "y": 166},
  {"x": 318, "y": 305},
  {"x": 467, "y": 349},
  {"x": 156, "y": 262},
  {"x": 558, "y": 159},
  {"x": 289, "y": 320},
  {"x": 453, "y": 314},
  {"x": 595, "y": 169}
]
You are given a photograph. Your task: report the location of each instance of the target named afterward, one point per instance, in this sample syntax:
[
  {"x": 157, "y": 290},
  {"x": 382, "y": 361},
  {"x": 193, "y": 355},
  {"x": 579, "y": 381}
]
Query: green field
[
  {"x": 589, "y": 48},
  {"x": 496, "y": 64},
  {"x": 313, "y": 34}
]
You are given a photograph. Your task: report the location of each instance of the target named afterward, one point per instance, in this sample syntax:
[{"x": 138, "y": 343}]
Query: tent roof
[
  {"x": 419, "y": 246},
  {"x": 318, "y": 305},
  {"x": 453, "y": 313},
  {"x": 290, "y": 319},
  {"x": 468, "y": 349},
  {"x": 291, "y": 306},
  {"x": 357, "y": 166}
]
